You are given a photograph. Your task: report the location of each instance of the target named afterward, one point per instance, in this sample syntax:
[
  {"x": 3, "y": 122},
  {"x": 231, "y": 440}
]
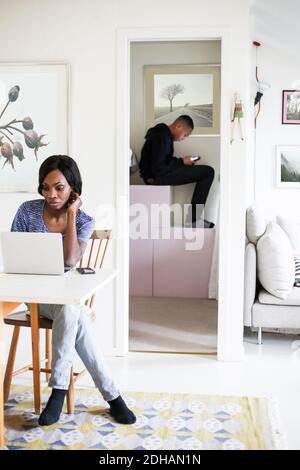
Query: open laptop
[{"x": 32, "y": 253}]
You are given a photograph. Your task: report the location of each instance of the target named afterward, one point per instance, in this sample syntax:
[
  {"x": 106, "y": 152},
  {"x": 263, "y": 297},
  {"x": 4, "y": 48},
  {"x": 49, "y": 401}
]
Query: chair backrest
[{"x": 94, "y": 256}]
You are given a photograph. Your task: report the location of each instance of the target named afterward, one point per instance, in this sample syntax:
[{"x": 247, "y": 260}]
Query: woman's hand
[
  {"x": 73, "y": 248},
  {"x": 74, "y": 203}
]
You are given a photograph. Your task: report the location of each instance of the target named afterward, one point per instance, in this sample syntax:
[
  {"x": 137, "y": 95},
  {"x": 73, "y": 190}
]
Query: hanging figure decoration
[
  {"x": 237, "y": 114},
  {"x": 262, "y": 86}
]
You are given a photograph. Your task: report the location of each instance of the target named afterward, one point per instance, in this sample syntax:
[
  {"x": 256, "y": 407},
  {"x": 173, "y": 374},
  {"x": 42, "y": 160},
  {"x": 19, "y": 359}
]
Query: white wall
[
  {"x": 276, "y": 27},
  {"x": 84, "y": 34},
  {"x": 157, "y": 53}
]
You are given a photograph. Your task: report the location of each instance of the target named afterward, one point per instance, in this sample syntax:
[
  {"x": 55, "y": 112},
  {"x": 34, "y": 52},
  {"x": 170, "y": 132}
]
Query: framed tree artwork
[{"x": 194, "y": 90}]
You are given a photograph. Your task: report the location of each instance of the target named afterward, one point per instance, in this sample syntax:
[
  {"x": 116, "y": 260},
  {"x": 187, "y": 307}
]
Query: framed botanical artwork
[
  {"x": 173, "y": 90},
  {"x": 288, "y": 166},
  {"x": 290, "y": 107},
  {"x": 33, "y": 121}
]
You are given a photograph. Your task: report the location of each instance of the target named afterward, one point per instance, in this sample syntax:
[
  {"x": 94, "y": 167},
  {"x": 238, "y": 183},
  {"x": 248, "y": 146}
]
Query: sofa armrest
[{"x": 249, "y": 282}]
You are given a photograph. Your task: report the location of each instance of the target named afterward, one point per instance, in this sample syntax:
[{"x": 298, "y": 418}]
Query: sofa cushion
[
  {"x": 293, "y": 298},
  {"x": 297, "y": 271},
  {"x": 292, "y": 229},
  {"x": 255, "y": 223},
  {"x": 275, "y": 261}
]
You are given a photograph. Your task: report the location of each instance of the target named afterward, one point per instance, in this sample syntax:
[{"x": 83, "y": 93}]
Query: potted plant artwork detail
[{"x": 11, "y": 131}]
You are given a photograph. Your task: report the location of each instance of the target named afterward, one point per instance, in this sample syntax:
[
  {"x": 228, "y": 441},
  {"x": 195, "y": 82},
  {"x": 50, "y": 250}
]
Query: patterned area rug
[{"x": 164, "y": 421}]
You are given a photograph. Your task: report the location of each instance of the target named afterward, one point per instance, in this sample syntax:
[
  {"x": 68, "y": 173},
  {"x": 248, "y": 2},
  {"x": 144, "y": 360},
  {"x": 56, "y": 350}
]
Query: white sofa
[{"x": 263, "y": 309}]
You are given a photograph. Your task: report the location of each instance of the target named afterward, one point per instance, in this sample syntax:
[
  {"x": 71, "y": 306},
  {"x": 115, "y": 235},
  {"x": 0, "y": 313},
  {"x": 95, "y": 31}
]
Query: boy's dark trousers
[{"x": 202, "y": 175}]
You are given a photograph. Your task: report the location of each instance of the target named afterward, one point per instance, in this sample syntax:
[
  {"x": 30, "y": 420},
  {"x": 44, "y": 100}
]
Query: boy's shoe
[{"x": 202, "y": 223}]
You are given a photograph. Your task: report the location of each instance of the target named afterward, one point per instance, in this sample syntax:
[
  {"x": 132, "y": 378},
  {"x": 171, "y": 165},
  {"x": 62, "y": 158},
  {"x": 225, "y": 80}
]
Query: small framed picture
[
  {"x": 291, "y": 107},
  {"x": 288, "y": 166}
]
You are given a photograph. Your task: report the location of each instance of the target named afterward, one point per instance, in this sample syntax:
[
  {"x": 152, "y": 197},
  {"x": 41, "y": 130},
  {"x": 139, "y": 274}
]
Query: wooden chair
[{"x": 95, "y": 257}]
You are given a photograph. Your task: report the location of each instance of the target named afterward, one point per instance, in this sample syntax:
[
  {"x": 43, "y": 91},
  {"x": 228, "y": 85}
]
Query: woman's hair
[{"x": 67, "y": 166}]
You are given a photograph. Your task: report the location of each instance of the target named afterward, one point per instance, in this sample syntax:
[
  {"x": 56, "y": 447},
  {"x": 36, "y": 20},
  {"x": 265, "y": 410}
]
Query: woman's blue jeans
[{"x": 72, "y": 331}]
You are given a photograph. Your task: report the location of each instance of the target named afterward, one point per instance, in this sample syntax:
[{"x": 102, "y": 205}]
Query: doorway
[
  {"x": 227, "y": 348},
  {"x": 172, "y": 300}
]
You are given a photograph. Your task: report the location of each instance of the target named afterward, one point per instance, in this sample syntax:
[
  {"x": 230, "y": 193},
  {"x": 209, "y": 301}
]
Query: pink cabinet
[
  {"x": 165, "y": 268},
  {"x": 179, "y": 272},
  {"x": 150, "y": 197},
  {"x": 176, "y": 262},
  {"x": 147, "y": 194},
  {"x": 140, "y": 268}
]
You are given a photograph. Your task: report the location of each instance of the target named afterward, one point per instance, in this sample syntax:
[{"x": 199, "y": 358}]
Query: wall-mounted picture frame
[
  {"x": 34, "y": 121},
  {"x": 288, "y": 166},
  {"x": 290, "y": 107},
  {"x": 172, "y": 90}
]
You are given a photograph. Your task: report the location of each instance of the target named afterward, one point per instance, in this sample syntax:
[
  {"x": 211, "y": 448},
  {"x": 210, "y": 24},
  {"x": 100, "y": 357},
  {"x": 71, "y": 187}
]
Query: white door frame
[{"x": 227, "y": 349}]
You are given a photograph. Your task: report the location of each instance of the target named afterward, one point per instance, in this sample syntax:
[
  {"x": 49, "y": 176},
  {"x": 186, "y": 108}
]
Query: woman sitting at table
[{"x": 59, "y": 211}]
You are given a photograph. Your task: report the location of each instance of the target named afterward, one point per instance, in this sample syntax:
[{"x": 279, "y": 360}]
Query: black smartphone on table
[{"x": 85, "y": 270}]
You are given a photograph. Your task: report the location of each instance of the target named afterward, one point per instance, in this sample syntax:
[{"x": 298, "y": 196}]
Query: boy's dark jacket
[{"x": 157, "y": 153}]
